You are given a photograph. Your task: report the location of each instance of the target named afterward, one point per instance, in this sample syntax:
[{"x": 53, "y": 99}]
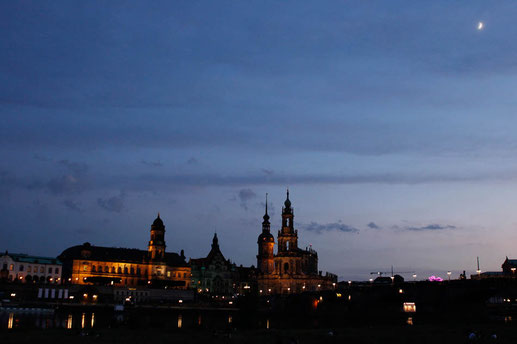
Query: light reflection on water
[{"x": 44, "y": 319}]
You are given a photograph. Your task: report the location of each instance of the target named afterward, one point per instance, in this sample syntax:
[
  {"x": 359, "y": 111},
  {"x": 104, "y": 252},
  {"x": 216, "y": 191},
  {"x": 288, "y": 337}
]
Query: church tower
[
  {"x": 157, "y": 242},
  {"x": 266, "y": 244},
  {"x": 287, "y": 236}
]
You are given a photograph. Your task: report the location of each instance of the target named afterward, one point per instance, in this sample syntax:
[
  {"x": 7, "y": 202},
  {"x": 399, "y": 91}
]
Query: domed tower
[
  {"x": 266, "y": 244},
  {"x": 287, "y": 236},
  {"x": 157, "y": 242}
]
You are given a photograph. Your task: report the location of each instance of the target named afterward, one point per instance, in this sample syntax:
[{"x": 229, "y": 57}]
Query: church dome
[
  {"x": 158, "y": 222},
  {"x": 266, "y": 237}
]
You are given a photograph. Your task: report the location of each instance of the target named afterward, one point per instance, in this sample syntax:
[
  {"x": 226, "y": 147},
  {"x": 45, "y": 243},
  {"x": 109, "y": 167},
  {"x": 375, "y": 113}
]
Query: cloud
[
  {"x": 431, "y": 227},
  {"x": 246, "y": 195},
  {"x": 267, "y": 171},
  {"x": 72, "y": 205},
  {"x": 152, "y": 163},
  {"x": 75, "y": 167},
  {"x": 192, "y": 161},
  {"x": 335, "y": 226},
  {"x": 373, "y": 225},
  {"x": 113, "y": 204},
  {"x": 67, "y": 184}
]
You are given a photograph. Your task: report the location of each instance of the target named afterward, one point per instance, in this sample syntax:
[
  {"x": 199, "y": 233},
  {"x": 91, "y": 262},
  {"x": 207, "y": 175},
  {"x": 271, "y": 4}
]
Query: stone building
[
  {"x": 291, "y": 269},
  {"x": 88, "y": 264},
  {"x": 213, "y": 274},
  {"x": 22, "y": 268}
]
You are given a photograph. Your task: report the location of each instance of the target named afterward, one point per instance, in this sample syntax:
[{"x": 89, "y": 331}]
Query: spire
[
  {"x": 158, "y": 214},
  {"x": 215, "y": 240},
  {"x": 266, "y": 216},
  {"x": 287, "y": 202}
]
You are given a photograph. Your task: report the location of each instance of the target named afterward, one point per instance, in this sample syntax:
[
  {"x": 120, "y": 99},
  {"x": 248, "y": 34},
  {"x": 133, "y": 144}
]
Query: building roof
[
  {"x": 116, "y": 254},
  {"x": 25, "y": 258}
]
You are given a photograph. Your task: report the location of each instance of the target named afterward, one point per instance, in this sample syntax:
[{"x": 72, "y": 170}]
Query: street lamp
[
  {"x": 414, "y": 277},
  {"x": 449, "y": 274}
]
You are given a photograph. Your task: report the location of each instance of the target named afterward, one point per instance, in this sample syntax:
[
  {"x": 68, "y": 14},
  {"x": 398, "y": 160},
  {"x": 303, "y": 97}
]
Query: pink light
[{"x": 435, "y": 279}]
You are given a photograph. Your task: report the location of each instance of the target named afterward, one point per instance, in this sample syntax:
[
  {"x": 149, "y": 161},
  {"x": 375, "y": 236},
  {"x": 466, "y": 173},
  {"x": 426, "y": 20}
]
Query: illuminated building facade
[
  {"x": 22, "y": 268},
  {"x": 88, "y": 264},
  {"x": 291, "y": 270}
]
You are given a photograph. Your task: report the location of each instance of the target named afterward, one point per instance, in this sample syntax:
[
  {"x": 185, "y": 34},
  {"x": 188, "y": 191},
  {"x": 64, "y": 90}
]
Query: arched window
[
  {"x": 132, "y": 270},
  {"x": 106, "y": 269},
  {"x": 119, "y": 270},
  {"x": 286, "y": 267},
  {"x": 287, "y": 245},
  {"x": 93, "y": 268},
  {"x": 125, "y": 270}
]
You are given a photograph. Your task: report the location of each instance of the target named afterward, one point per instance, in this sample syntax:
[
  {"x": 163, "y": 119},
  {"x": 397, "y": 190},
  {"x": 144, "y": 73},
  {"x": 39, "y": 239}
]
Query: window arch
[
  {"x": 119, "y": 270},
  {"x": 93, "y": 268},
  {"x": 286, "y": 267}
]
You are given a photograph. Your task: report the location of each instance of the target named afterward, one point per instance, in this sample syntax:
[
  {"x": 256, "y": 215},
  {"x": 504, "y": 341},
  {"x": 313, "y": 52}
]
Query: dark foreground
[{"x": 404, "y": 334}]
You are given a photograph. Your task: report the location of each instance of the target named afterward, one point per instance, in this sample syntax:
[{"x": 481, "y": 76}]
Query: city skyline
[{"x": 391, "y": 124}]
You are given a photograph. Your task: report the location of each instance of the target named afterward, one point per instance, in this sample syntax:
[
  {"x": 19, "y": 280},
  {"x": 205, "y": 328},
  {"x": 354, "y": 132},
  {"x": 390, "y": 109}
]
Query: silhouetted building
[
  {"x": 88, "y": 264},
  {"x": 291, "y": 270},
  {"x": 216, "y": 275},
  {"x": 213, "y": 274}
]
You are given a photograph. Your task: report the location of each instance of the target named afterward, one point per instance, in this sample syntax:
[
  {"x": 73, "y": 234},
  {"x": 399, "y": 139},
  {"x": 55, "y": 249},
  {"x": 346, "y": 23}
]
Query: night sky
[{"x": 392, "y": 123}]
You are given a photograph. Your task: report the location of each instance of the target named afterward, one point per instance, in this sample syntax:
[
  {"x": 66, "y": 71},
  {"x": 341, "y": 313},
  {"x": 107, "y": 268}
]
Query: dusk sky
[{"x": 392, "y": 123}]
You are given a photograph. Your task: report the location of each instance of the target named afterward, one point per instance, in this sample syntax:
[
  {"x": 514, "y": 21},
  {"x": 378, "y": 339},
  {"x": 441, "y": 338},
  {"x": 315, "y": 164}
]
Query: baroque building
[
  {"x": 88, "y": 264},
  {"x": 291, "y": 269},
  {"x": 216, "y": 275},
  {"x": 22, "y": 268}
]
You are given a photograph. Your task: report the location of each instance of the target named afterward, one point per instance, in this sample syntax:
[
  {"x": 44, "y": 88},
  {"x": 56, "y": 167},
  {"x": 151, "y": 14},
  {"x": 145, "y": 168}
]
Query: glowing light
[
  {"x": 180, "y": 321},
  {"x": 13, "y": 294},
  {"x": 435, "y": 279},
  {"x": 338, "y": 294},
  {"x": 82, "y": 320},
  {"x": 481, "y": 25},
  {"x": 11, "y": 321},
  {"x": 69, "y": 321},
  {"x": 401, "y": 291},
  {"x": 93, "y": 320},
  {"x": 409, "y": 321},
  {"x": 71, "y": 297},
  {"x": 409, "y": 307},
  {"x": 180, "y": 301},
  {"x": 230, "y": 302}
]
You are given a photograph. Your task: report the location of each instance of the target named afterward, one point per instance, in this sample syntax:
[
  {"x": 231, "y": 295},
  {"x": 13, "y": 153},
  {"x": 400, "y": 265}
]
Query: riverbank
[{"x": 366, "y": 335}]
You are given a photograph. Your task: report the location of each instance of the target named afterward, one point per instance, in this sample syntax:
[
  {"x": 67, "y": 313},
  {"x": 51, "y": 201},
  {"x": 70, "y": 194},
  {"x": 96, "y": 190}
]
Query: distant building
[
  {"x": 509, "y": 267},
  {"x": 291, "y": 270},
  {"x": 216, "y": 275},
  {"x": 88, "y": 264},
  {"x": 509, "y": 270},
  {"x": 22, "y": 268},
  {"x": 213, "y": 274}
]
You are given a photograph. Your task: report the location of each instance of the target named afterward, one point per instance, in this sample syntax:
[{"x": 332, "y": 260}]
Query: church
[
  {"x": 291, "y": 269},
  {"x": 89, "y": 264}
]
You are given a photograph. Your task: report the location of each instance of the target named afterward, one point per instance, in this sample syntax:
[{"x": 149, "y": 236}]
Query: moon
[{"x": 481, "y": 25}]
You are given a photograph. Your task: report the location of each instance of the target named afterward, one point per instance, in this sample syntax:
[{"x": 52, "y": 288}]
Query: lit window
[
  {"x": 168, "y": 274},
  {"x": 11, "y": 267},
  {"x": 29, "y": 268},
  {"x": 409, "y": 307}
]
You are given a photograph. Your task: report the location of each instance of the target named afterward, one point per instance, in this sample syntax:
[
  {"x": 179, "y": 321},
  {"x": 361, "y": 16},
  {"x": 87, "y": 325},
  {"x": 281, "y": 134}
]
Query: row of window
[
  {"x": 35, "y": 279},
  {"x": 30, "y": 268},
  {"x": 130, "y": 271}
]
